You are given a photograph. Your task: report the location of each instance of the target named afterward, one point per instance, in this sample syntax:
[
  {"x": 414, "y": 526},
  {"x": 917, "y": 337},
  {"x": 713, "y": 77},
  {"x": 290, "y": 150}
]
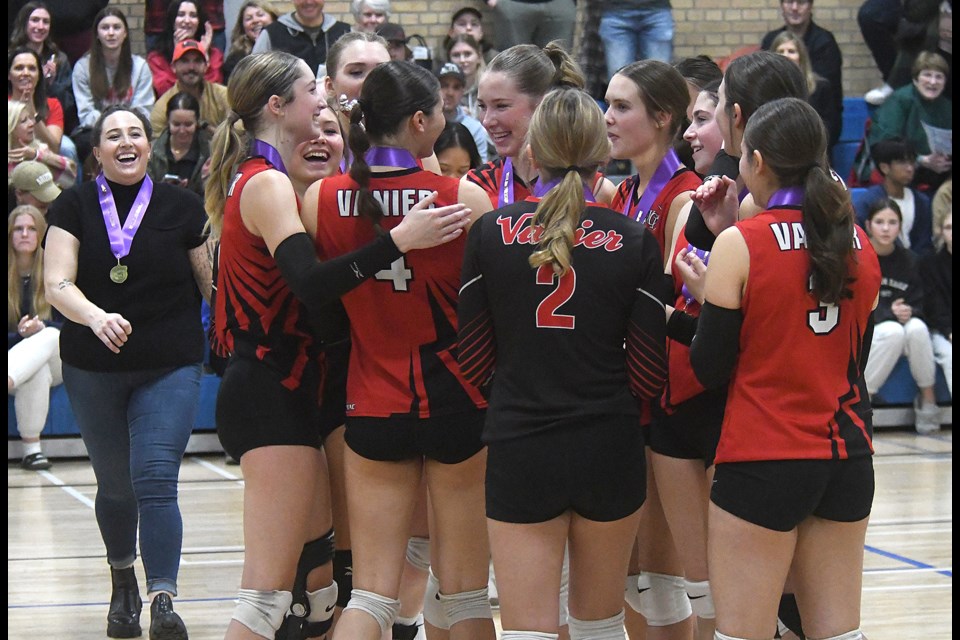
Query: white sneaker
[
  {"x": 926, "y": 417},
  {"x": 878, "y": 96}
]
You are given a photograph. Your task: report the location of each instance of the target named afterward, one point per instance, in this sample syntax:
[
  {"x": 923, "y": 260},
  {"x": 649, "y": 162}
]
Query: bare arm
[
  {"x": 476, "y": 199},
  {"x": 201, "y": 261}
]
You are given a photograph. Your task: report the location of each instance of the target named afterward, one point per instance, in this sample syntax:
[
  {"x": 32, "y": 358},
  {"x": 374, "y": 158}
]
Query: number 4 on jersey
[
  {"x": 547, "y": 316},
  {"x": 398, "y": 274}
]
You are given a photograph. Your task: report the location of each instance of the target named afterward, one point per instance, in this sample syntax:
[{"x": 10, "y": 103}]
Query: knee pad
[
  {"x": 466, "y": 605},
  {"x": 407, "y": 629},
  {"x": 663, "y": 600},
  {"x": 631, "y": 592},
  {"x": 722, "y": 636},
  {"x": 856, "y": 634},
  {"x": 381, "y": 608},
  {"x": 527, "y": 635},
  {"x": 262, "y": 611},
  {"x": 701, "y": 598},
  {"x": 418, "y": 553},
  {"x": 606, "y": 629},
  {"x": 322, "y": 603},
  {"x": 343, "y": 575},
  {"x": 432, "y": 610}
]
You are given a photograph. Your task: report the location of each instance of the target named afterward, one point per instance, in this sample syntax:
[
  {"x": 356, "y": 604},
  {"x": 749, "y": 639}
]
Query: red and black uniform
[
  {"x": 489, "y": 177},
  {"x": 655, "y": 218},
  {"x": 269, "y": 392},
  {"x": 560, "y": 372},
  {"x": 403, "y": 319}
]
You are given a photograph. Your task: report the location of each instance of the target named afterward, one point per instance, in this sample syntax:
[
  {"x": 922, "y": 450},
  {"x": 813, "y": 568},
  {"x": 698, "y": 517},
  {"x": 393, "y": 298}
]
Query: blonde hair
[
  {"x": 14, "y": 111},
  {"x": 41, "y": 307},
  {"x": 256, "y": 78},
  {"x": 536, "y": 71},
  {"x": 572, "y": 154},
  {"x": 806, "y": 68},
  {"x": 239, "y": 42}
]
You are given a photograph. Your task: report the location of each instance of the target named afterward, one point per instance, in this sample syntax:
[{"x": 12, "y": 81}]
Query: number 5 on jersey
[{"x": 547, "y": 316}]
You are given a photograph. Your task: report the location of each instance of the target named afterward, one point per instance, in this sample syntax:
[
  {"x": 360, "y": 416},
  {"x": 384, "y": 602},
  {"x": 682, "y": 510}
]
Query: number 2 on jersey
[{"x": 547, "y": 316}]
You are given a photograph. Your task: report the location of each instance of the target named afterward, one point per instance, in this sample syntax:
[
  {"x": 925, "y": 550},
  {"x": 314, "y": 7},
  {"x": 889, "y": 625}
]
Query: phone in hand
[{"x": 172, "y": 178}]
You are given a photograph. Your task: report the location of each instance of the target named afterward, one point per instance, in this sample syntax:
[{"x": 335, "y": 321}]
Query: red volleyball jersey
[
  {"x": 403, "y": 320},
  {"x": 256, "y": 313},
  {"x": 656, "y": 217},
  {"x": 489, "y": 178},
  {"x": 797, "y": 391}
]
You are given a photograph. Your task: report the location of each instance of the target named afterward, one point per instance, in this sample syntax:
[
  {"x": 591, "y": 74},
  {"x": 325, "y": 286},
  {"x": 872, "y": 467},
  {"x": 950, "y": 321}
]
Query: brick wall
[{"x": 713, "y": 27}]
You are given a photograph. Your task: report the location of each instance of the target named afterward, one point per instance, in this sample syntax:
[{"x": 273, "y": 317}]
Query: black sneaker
[
  {"x": 165, "y": 624},
  {"x": 35, "y": 462}
]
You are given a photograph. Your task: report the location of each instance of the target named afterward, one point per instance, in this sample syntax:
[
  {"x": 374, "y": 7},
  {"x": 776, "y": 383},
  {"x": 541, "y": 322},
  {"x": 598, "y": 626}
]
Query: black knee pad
[
  {"x": 789, "y": 614},
  {"x": 343, "y": 575},
  {"x": 405, "y": 631},
  {"x": 316, "y": 553}
]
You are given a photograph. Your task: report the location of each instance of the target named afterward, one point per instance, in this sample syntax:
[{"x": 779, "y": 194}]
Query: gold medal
[{"x": 118, "y": 274}]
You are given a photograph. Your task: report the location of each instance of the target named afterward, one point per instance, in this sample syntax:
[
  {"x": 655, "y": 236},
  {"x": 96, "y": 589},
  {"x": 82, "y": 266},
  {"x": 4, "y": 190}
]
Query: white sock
[{"x": 30, "y": 448}]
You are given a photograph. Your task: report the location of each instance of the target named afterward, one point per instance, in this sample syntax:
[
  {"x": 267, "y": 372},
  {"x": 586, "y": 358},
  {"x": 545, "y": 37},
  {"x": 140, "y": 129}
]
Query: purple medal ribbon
[
  {"x": 121, "y": 238},
  {"x": 668, "y": 166},
  {"x": 505, "y": 192},
  {"x": 390, "y": 157},
  {"x": 269, "y": 153},
  {"x": 703, "y": 255},
  {"x": 540, "y": 189},
  {"x": 786, "y": 196}
]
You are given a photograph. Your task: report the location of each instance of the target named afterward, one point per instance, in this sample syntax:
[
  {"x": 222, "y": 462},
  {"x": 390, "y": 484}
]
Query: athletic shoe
[
  {"x": 878, "y": 96},
  {"x": 35, "y": 462},
  {"x": 926, "y": 417}
]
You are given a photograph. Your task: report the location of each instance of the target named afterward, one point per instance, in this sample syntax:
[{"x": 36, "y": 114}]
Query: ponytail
[
  {"x": 367, "y": 206},
  {"x": 828, "y": 227},
  {"x": 228, "y": 148},
  {"x": 558, "y": 213}
]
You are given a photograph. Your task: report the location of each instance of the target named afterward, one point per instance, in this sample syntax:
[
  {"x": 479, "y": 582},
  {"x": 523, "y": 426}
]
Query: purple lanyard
[
  {"x": 345, "y": 161},
  {"x": 786, "y": 196},
  {"x": 122, "y": 237},
  {"x": 668, "y": 166},
  {"x": 703, "y": 255},
  {"x": 269, "y": 153},
  {"x": 390, "y": 157},
  {"x": 505, "y": 188},
  {"x": 540, "y": 189}
]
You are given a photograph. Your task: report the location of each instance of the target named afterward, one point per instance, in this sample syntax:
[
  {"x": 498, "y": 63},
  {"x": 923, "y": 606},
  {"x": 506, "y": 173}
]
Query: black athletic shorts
[
  {"x": 333, "y": 404},
  {"x": 447, "y": 439},
  {"x": 780, "y": 494},
  {"x": 255, "y": 410},
  {"x": 596, "y": 468},
  {"x": 692, "y": 431}
]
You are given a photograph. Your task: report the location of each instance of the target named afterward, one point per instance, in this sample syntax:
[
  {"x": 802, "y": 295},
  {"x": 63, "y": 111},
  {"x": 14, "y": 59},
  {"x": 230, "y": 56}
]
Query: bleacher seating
[{"x": 856, "y": 112}]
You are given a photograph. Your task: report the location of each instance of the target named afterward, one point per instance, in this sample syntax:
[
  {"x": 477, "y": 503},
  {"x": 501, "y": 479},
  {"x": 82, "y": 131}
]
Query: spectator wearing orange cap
[
  {"x": 186, "y": 20},
  {"x": 190, "y": 65}
]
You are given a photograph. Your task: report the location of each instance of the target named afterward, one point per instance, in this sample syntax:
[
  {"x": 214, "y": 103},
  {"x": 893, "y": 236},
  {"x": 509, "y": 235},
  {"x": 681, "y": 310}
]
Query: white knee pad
[
  {"x": 606, "y": 629},
  {"x": 631, "y": 593},
  {"x": 701, "y": 598},
  {"x": 856, "y": 634},
  {"x": 527, "y": 635},
  {"x": 418, "y": 553},
  {"x": 322, "y": 602},
  {"x": 262, "y": 611},
  {"x": 466, "y": 605},
  {"x": 382, "y": 609},
  {"x": 433, "y": 613},
  {"x": 663, "y": 600}
]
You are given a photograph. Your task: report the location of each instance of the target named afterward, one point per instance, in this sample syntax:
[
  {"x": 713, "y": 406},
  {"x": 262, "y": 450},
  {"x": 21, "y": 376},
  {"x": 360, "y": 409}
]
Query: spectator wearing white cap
[{"x": 453, "y": 84}]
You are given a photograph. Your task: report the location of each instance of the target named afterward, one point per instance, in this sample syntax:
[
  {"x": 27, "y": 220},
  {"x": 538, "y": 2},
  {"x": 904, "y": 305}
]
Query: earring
[{"x": 659, "y": 125}]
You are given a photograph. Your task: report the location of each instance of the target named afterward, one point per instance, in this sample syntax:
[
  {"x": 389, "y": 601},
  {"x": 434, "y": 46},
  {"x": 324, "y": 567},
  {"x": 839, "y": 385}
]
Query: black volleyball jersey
[{"x": 555, "y": 347}]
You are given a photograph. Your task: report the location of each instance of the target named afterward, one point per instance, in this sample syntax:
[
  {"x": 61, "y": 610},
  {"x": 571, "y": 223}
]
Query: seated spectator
[
  {"x": 25, "y": 85},
  {"x": 895, "y": 159},
  {"x": 537, "y": 22},
  {"x": 456, "y": 151},
  {"x": 822, "y": 94},
  {"x": 899, "y": 328},
  {"x": 155, "y": 22},
  {"x": 186, "y": 20},
  {"x": 253, "y": 16},
  {"x": 190, "y": 66},
  {"x": 464, "y": 51},
  {"x": 179, "y": 154},
  {"x": 906, "y": 111},
  {"x": 22, "y": 144},
  {"x": 73, "y": 30},
  {"x": 942, "y": 204},
  {"x": 469, "y": 21},
  {"x": 452, "y": 86},
  {"x": 369, "y": 15},
  {"x": 825, "y": 56},
  {"x": 937, "y": 274},
  {"x": 396, "y": 39},
  {"x": 109, "y": 74},
  {"x": 33, "y": 333},
  {"x": 306, "y": 32},
  {"x": 32, "y": 29},
  {"x": 32, "y": 183}
]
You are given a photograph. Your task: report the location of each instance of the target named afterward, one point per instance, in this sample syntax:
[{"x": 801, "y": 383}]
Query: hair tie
[
  {"x": 572, "y": 168},
  {"x": 347, "y": 106},
  {"x": 232, "y": 116}
]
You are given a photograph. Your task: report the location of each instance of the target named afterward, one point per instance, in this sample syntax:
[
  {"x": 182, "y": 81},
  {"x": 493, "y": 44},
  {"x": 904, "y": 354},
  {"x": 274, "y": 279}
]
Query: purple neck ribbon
[
  {"x": 540, "y": 189},
  {"x": 703, "y": 255},
  {"x": 269, "y": 153},
  {"x": 790, "y": 196},
  {"x": 122, "y": 237},
  {"x": 505, "y": 191},
  {"x": 390, "y": 157},
  {"x": 668, "y": 166}
]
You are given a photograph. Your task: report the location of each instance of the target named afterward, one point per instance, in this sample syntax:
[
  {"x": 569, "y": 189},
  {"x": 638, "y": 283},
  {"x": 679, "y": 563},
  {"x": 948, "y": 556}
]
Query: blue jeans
[
  {"x": 135, "y": 425},
  {"x": 636, "y": 34}
]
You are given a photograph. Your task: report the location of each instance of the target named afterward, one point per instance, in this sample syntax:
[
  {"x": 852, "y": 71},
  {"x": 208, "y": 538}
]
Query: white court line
[
  {"x": 67, "y": 488},
  {"x": 877, "y": 572},
  {"x": 945, "y": 456},
  {"x": 218, "y": 470},
  {"x": 911, "y": 587},
  {"x": 912, "y": 532}
]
